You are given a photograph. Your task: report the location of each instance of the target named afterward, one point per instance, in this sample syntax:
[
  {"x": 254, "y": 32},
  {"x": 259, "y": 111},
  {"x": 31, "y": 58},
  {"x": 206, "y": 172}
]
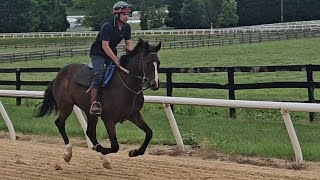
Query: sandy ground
[{"x": 32, "y": 157}]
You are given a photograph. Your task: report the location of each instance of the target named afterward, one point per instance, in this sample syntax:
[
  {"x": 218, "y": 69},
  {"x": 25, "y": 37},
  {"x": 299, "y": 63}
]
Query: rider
[{"x": 103, "y": 50}]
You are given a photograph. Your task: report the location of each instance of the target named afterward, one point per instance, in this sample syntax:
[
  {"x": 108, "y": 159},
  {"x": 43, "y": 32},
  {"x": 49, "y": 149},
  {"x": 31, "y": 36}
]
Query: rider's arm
[
  {"x": 109, "y": 52},
  {"x": 127, "y": 38},
  {"x": 129, "y": 44}
]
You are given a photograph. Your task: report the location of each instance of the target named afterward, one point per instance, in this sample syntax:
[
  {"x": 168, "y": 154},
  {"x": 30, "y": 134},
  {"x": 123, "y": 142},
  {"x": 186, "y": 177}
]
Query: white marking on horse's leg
[
  {"x": 105, "y": 162},
  {"x": 156, "y": 75},
  {"x": 68, "y": 153}
]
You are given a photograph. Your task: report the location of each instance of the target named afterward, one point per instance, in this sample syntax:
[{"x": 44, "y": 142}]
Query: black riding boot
[{"x": 95, "y": 108}]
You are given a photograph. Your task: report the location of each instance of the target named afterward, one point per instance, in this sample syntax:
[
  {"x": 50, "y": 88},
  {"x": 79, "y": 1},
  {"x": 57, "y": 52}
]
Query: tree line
[
  {"x": 32, "y": 16},
  {"x": 50, "y": 15},
  {"x": 228, "y": 13}
]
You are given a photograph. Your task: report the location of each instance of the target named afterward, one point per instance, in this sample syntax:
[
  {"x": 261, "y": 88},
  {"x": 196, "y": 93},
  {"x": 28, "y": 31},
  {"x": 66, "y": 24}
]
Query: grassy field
[
  {"x": 253, "y": 133},
  {"x": 47, "y": 43}
]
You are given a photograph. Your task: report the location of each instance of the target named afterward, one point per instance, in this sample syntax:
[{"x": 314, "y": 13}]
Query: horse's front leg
[
  {"x": 139, "y": 122},
  {"x": 91, "y": 133},
  {"x": 111, "y": 130}
]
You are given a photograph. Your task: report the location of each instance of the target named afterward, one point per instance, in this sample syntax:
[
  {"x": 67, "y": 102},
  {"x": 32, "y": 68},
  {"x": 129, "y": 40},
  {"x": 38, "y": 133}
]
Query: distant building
[
  {"x": 75, "y": 21},
  {"x": 136, "y": 15}
]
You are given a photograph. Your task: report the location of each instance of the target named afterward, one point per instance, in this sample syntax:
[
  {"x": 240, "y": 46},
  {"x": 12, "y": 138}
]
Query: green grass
[
  {"x": 254, "y": 133},
  {"x": 8, "y": 45},
  {"x": 31, "y": 50}
]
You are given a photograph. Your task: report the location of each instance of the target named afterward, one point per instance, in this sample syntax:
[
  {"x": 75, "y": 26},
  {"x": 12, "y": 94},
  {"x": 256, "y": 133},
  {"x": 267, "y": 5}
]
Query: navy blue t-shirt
[{"x": 109, "y": 31}]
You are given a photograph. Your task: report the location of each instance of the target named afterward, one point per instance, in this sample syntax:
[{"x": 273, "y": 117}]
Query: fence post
[
  {"x": 310, "y": 90},
  {"x": 242, "y": 38},
  {"x": 231, "y": 90},
  {"x": 18, "y": 85},
  {"x": 260, "y": 38},
  {"x": 169, "y": 83}
]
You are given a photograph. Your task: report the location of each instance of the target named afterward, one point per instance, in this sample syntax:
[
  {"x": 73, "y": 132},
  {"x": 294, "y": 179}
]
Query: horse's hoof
[
  {"x": 134, "y": 153},
  {"x": 67, "y": 158},
  {"x": 106, "y": 165},
  {"x": 97, "y": 147},
  {"x": 68, "y": 153}
]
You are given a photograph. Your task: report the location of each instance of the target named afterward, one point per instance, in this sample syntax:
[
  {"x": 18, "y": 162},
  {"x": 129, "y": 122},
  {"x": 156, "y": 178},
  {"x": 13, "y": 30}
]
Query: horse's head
[
  {"x": 145, "y": 62},
  {"x": 150, "y": 64}
]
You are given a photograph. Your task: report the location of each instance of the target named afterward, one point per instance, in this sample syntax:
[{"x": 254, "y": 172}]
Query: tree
[
  {"x": 48, "y": 16},
  {"x": 174, "y": 17},
  {"x": 145, "y": 7},
  {"x": 15, "y": 16},
  {"x": 68, "y": 3},
  {"x": 155, "y": 18},
  {"x": 79, "y": 4},
  {"x": 253, "y": 12},
  {"x": 211, "y": 10},
  {"x": 228, "y": 15},
  {"x": 301, "y": 10},
  {"x": 97, "y": 11},
  {"x": 191, "y": 14}
]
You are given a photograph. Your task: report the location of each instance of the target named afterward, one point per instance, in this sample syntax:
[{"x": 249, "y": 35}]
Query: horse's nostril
[
  {"x": 152, "y": 85},
  {"x": 155, "y": 86}
]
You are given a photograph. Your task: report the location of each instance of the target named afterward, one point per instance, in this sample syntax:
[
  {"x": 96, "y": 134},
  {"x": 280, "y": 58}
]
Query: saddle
[{"x": 86, "y": 74}]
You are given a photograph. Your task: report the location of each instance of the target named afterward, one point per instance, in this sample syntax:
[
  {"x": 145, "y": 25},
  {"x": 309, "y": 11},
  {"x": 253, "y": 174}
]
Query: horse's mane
[{"x": 137, "y": 49}]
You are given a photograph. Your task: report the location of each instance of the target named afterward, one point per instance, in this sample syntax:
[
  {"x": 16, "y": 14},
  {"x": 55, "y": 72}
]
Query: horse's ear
[
  {"x": 157, "y": 48},
  {"x": 140, "y": 43},
  {"x": 146, "y": 45}
]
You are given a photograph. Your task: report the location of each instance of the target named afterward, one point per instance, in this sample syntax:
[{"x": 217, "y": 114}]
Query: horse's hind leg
[
  {"x": 138, "y": 121},
  {"x": 60, "y": 123}
]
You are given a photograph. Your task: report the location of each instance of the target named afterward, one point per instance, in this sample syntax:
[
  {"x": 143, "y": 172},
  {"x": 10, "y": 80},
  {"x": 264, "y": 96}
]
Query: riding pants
[{"x": 98, "y": 63}]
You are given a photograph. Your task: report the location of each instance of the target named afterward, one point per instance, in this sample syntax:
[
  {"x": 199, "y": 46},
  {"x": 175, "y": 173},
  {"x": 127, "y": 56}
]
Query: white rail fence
[
  {"x": 283, "y": 107},
  {"x": 301, "y": 25}
]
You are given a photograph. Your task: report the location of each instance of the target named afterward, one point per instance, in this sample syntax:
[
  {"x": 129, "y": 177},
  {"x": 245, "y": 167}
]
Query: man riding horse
[{"x": 103, "y": 50}]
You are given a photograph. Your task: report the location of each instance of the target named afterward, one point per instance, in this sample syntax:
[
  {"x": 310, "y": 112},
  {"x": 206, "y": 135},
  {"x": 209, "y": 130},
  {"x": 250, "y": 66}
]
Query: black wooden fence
[
  {"x": 213, "y": 40},
  {"x": 170, "y": 85}
]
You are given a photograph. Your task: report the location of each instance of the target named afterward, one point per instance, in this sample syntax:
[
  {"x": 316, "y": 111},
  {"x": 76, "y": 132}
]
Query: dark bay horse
[{"x": 121, "y": 100}]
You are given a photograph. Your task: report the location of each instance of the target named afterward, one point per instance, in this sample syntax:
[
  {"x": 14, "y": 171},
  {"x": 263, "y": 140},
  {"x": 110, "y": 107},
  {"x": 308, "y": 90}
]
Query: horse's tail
[{"x": 48, "y": 104}]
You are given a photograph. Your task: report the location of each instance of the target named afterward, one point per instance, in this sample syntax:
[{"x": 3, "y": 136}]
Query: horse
[{"x": 121, "y": 100}]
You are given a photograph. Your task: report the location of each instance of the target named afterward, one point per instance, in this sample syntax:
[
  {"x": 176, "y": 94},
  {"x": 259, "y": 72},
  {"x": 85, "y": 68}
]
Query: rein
[{"x": 143, "y": 79}]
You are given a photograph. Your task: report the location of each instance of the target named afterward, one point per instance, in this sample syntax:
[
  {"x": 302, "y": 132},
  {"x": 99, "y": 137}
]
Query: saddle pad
[{"x": 85, "y": 75}]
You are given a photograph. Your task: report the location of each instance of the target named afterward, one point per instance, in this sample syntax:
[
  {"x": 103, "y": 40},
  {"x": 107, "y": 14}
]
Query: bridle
[{"x": 143, "y": 78}]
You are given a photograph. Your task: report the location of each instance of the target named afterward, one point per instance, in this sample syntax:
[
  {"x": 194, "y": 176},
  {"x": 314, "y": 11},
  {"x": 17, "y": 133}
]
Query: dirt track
[{"x": 29, "y": 160}]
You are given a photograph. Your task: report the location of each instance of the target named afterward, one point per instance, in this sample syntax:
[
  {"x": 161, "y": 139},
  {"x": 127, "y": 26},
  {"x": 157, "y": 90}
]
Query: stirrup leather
[{"x": 95, "y": 110}]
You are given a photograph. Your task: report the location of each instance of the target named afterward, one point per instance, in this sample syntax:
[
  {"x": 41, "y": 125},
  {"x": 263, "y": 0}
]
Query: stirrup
[{"x": 96, "y": 111}]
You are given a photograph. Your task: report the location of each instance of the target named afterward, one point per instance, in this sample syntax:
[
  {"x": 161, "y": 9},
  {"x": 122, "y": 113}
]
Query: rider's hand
[{"x": 117, "y": 62}]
